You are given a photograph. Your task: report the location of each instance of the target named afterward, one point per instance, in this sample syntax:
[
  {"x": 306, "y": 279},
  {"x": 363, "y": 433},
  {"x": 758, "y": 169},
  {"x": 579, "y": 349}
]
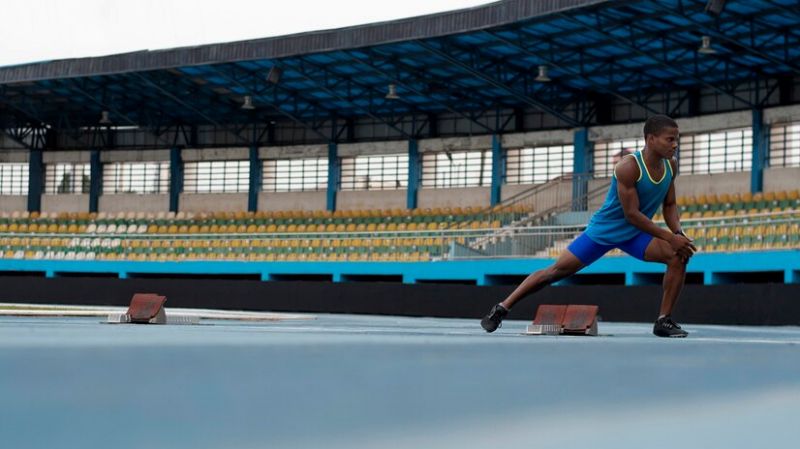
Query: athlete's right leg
[
  {"x": 566, "y": 265},
  {"x": 581, "y": 252}
]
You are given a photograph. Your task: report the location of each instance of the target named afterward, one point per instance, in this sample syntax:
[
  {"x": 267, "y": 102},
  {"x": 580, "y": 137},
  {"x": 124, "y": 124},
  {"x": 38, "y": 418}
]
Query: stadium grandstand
[{"x": 421, "y": 166}]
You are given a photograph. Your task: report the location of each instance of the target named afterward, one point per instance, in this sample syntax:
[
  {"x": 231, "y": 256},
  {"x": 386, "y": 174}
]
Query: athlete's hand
[{"x": 682, "y": 246}]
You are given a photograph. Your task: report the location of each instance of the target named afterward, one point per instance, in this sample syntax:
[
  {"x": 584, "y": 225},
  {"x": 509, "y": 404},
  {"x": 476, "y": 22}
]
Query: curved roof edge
[{"x": 420, "y": 27}]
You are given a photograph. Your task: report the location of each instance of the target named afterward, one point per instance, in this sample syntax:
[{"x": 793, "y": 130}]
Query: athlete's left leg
[{"x": 659, "y": 251}]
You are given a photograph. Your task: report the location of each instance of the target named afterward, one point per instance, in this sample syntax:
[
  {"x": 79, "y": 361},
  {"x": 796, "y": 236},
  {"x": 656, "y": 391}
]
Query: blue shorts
[{"x": 588, "y": 251}]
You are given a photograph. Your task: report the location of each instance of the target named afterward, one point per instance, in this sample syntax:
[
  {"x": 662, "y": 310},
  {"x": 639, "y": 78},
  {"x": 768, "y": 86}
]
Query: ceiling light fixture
[
  {"x": 705, "y": 46},
  {"x": 248, "y": 103},
  {"x": 392, "y": 95},
  {"x": 543, "y": 77}
]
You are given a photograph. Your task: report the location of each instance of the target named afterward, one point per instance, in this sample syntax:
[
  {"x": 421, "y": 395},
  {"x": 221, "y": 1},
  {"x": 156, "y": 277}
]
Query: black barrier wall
[{"x": 757, "y": 304}]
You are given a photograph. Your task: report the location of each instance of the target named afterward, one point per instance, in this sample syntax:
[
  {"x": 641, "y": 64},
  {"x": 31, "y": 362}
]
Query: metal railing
[{"x": 775, "y": 230}]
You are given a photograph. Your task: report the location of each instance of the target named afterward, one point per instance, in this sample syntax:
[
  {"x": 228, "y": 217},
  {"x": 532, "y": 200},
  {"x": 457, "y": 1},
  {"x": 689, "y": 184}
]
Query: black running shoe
[
  {"x": 665, "y": 327},
  {"x": 494, "y": 318}
]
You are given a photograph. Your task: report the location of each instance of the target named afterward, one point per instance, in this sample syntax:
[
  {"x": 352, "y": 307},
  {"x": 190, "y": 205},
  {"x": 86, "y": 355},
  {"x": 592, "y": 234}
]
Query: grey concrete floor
[{"x": 386, "y": 382}]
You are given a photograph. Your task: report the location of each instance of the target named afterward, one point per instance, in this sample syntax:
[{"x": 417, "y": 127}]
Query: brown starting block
[
  {"x": 572, "y": 319},
  {"x": 148, "y": 308}
]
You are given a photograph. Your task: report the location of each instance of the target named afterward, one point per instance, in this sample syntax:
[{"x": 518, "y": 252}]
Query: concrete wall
[
  {"x": 11, "y": 203},
  {"x": 597, "y": 200},
  {"x": 53, "y": 157},
  {"x": 133, "y": 203},
  {"x": 545, "y": 197},
  {"x": 737, "y": 182},
  {"x": 215, "y": 154},
  {"x": 197, "y": 202},
  {"x": 65, "y": 203},
  {"x": 781, "y": 178},
  {"x": 14, "y": 155},
  {"x": 134, "y": 156},
  {"x": 455, "y": 197},
  {"x": 293, "y": 201},
  {"x": 379, "y": 199}
]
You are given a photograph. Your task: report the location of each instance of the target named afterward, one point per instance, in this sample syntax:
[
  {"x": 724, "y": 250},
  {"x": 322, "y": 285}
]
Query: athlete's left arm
[{"x": 670, "y": 206}]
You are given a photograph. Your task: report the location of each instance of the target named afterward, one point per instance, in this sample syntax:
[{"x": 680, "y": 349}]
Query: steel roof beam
[
  {"x": 286, "y": 114},
  {"x": 414, "y": 74},
  {"x": 74, "y": 85},
  {"x": 407, "y": 86},
  {"x": 520, "y": 95},
  {"x": 569, "y": 70},
  {"x": 357, "y": 107},
  {"x": 186, "y": 105},
  {"x": 661, "y": 63},
  {"x": 720, "y": 36}
]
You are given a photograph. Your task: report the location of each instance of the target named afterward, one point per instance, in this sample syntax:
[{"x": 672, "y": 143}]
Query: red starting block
[
  {"x": 572, "y": 319},
  {"x": 147, "y": 308}
]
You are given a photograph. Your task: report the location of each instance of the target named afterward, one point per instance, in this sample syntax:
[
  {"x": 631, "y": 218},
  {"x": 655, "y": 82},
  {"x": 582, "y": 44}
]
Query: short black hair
[{"x": 657, "y": 123}]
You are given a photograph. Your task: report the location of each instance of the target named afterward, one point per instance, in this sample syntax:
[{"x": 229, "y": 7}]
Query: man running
[{"x": 642, "y": 182}]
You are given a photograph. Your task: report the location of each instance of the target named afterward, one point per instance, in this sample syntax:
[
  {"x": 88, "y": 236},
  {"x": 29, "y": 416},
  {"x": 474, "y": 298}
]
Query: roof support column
[
  {"x": 35, "y": 180},
  {"x": 760, "y": 144},
  {"x": 175, "y": 178},
  {"x": 255, "y": 180},
  {"x": 413, "y": 174},
  {"x": 95, "y": 180},
  {"x": 333, "y": 175},
  {"x": 498, "y": 164},
  {"x": 580, "y": 168}
]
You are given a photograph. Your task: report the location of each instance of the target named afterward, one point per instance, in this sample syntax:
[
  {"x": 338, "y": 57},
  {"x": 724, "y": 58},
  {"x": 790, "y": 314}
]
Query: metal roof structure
[{"x": 512, "y": 65}]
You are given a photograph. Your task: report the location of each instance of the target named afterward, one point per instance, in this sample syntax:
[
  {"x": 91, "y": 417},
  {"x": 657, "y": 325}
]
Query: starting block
[
  {"x": 148, "y": 308},
  {"x": 570, "y": 319}
]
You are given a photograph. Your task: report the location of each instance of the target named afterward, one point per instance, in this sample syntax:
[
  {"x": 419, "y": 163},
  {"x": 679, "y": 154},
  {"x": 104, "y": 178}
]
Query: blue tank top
[{"x": 608, "y": 225}]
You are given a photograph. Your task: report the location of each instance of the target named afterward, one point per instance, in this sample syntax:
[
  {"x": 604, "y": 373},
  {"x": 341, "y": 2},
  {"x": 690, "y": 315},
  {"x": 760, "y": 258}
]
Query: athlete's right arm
[{"x": 627, "y": 171}]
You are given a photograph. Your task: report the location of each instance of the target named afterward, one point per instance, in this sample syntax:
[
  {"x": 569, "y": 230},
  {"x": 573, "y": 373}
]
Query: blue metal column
[
  {"x": 760, "y": 144},
  {"x": 580, "y": 168},
  {"x": 95, "y": 180},
  {"x": 498, "y": 164},
  {"x": 175, "y": 178},
  {"x": 255, "y": 180},
  {"x": 35, "y": 180},
  {"x": 413, "y": 174},
  {"x": 333, "y": 175}
]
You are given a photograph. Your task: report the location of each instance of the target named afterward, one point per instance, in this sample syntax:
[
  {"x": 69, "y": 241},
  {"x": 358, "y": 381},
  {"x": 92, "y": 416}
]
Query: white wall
[
  {"x": 781, "y": 178},
  {"x": 11, "y": 203},
  {"x": 454, "y": 197},
  {"x": 205, "y": 202},
  {"x": 545, "y": 198},
  {"x": 364, "y": 199},
  {"x": 293, "y": 201},
  {"x": 597, "y": 184},
  {"x": 215, "y": 154},
  {"x": 65, "y": 203},
  {"x": 735, "y": 182},
  {"x": 134, "y": 156},
  {"x": 123, "y": 202},
  {"x": 14, "y": 155}
]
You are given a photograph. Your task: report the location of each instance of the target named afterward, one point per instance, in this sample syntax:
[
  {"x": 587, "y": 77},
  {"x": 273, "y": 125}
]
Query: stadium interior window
[
  {"x": 538, "y": 165},
  {"x": 216, "y": 177},
  {"x": 387, "y": 172},
  {"x": 784, "y": 145},
  {"x": 136, "y": 177},
  {"x": 66, "y": 178},
  {"x": 13, "y": 178},
  {"x": 607, "y": 154},
  {"x": 457, "y": 169},
  {"x": 295, "y": 175},
  {"x": 717, "y": 152}
]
